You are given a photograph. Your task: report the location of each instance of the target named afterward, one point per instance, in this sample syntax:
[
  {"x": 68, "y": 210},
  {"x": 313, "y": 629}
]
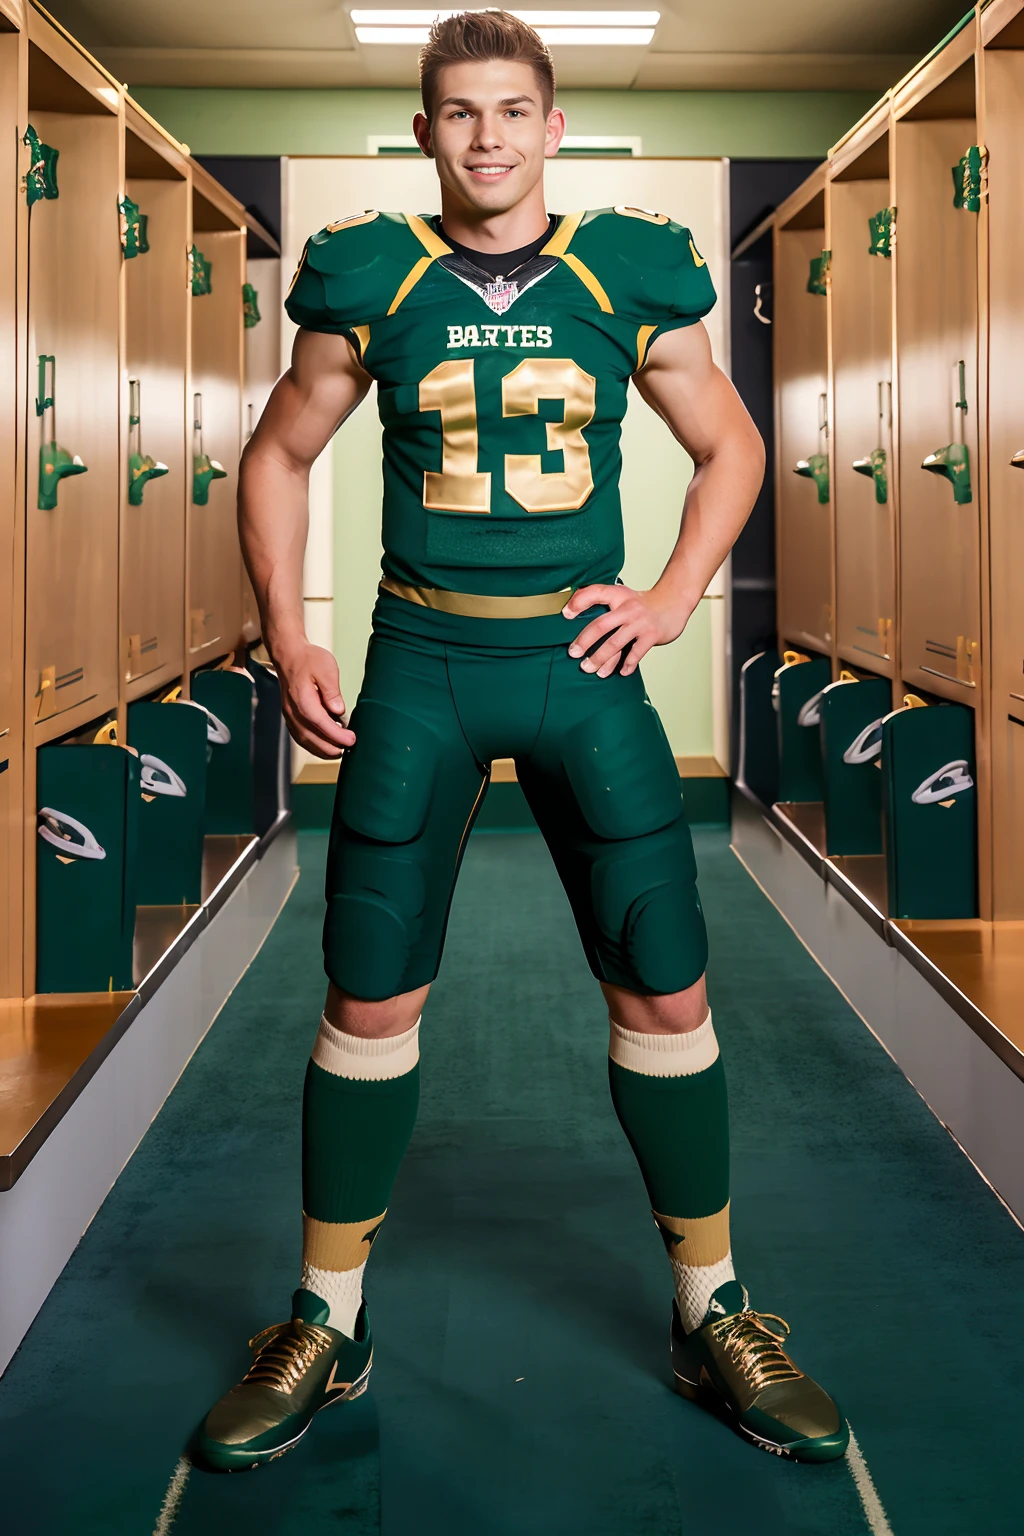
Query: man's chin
[{"x": 493, "y": 200}]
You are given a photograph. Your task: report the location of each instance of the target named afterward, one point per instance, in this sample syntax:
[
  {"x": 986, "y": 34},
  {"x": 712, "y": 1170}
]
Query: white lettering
[{"x": 460, "y": 336}]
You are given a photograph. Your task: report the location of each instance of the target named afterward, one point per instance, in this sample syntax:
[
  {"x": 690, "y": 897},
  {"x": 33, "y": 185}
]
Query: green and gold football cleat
[
  {"x": 735, "y": 1364},
  {"x": 297, "y": 1368}
]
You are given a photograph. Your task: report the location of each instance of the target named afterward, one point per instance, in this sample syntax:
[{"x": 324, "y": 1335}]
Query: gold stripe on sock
[
  {"x": 702, "y": 1240},
  {"x": 338, "y": 1244}
]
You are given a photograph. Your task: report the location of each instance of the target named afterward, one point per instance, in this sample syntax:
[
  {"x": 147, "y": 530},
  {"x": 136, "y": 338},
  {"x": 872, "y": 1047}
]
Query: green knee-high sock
[
  {"x": 669, "y": 1095},
  {"x": 358, "y": 1111}
]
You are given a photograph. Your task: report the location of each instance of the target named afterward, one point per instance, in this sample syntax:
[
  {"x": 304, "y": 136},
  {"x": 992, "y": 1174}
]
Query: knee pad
[
  {"x": 648, "y": 911},
  {"x": 375, "y": 889},
  {"x": 622, "y": 771}
]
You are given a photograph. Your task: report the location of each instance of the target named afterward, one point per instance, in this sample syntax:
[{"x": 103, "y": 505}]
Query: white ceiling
[{"x": 725, "y": 44}]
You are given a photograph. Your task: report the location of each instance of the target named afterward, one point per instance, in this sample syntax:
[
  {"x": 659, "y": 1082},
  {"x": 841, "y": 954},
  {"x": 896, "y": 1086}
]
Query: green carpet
[{"x": 519, "y": 1292}]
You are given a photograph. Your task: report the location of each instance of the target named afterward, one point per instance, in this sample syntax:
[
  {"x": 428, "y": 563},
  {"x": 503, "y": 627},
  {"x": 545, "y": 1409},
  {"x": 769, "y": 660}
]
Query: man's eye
[{"x": 514, "y": 112}]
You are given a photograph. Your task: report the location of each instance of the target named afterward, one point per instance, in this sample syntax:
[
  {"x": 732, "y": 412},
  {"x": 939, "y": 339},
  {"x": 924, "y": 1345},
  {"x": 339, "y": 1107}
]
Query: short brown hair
[{"x": 482, "y": 35}]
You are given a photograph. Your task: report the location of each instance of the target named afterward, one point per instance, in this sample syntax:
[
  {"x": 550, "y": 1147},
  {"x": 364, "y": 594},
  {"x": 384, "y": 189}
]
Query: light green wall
[{"x": 753, "y": 124}]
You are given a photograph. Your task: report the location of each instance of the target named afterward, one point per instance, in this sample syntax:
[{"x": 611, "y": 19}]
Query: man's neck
[{"x": 497, "y": 232}]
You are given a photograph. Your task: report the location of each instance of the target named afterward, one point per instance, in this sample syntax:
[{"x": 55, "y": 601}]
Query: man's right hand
[{"x": 312, "y": 701}]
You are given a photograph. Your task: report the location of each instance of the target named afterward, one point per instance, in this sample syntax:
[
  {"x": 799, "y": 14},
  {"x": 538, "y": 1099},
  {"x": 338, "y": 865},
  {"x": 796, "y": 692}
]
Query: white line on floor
[
  {"x": 175, "y": 1493},
  {"x": 874, "y": 1513}
]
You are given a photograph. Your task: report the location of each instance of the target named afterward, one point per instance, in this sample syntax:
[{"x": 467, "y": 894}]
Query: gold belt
[{"x": 475, "y": 605}]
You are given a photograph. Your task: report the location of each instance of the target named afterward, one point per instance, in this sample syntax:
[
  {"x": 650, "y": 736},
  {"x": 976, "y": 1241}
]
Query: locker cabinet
[
  {"x": 936, "y": 271},
  {"x": 13, "y": 221},
  {"x": 73, "y": 378},
  {"x": 155, "y": 469},
  {"x": 214, "y": 559},
  {"x": 1002, "y": 131},
  {"x": 803, "y": 503},
  {"x": 863, "y": 490}
]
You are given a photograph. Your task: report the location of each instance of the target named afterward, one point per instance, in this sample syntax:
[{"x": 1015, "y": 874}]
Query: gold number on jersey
[
  {"x": 522, "y": 390},
  {"x": 459, "y": 487}
]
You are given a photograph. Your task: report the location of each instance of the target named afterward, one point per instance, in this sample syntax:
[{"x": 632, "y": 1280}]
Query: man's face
[{"x": 488, "y": 134}]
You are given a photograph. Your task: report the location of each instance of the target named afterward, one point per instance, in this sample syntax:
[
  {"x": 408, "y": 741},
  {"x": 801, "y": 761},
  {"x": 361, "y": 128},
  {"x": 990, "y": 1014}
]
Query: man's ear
[
  {"x": 555, "y": 132},
  {"x": 421, "y": 130}
]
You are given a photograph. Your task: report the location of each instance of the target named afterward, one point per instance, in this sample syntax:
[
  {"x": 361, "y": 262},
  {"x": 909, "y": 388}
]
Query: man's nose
[{"x": 489, "y": 133}]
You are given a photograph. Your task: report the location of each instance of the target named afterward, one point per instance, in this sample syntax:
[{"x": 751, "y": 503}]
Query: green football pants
[{"x": 597, "y": 771}]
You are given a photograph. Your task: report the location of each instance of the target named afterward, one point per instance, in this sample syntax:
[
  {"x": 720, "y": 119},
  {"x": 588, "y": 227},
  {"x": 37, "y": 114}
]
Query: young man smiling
[{"x": 502, "y": 340}]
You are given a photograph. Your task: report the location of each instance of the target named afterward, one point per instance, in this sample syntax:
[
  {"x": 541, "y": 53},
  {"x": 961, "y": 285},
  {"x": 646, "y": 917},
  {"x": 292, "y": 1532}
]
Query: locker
[
  {"x": 851, "y": 745},
  {"x": 803, "y": 505},
  {"x": 154, "y": 447},
  {"x": 214, "y": 559},
  {"x": 862, "y": 459},
  {"x": 796, "y": 695},
  {"x": 936, "y": 273},
  {"x": 1003, "y": 133},
  {"x": 262, "y": 368},
  {"x": 12, "y": 231},
  {"x": 73, "y": 467},
  {"x": 929, "y": 808}
]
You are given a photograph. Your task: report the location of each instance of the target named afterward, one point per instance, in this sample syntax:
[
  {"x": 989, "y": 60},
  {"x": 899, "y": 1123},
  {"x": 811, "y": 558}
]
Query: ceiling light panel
[{"x": 421, "y": 18}]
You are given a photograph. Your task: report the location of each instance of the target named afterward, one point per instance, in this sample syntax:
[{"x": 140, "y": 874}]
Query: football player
[{"x": 503, "y": 340}]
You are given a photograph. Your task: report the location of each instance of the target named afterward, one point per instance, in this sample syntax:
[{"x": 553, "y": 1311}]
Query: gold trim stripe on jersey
[
  {"x": 558, "y": 246},
  {"x": 434, "y": 247},
  {"x": 477, "y": 605}
]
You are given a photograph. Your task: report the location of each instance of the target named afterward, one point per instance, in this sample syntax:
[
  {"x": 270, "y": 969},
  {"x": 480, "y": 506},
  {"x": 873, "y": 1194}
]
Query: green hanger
[
  {"x": 204, "y": 469},
  {"x": 41, "y": 177},
  {"x": 875, "y": 463},
  {"x": 133, "y": 228},
  {"x": 817, "y": 282},
  {"x": 815, "y": 467},
  {"x": 141, "y": 467},
  {"x": 882, "y": 231},
  {"x": 954, "y": 460},
  {"x": 200, "y": 273},
  {"x": 970, "y": 176},
  {"x": 55, "y": 463},
  {"x": 250, "y": 306}
]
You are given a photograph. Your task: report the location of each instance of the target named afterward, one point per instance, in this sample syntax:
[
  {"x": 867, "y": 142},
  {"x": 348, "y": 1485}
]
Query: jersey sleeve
[
  {"x": 649, "y": 265},
  {"x": 350, "y": 271}
]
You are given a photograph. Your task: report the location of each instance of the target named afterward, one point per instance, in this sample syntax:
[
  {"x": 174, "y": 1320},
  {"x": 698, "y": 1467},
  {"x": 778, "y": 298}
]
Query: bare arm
[
  {"x": 323, "y": 385},
  {"x": 703, "y": 411}
]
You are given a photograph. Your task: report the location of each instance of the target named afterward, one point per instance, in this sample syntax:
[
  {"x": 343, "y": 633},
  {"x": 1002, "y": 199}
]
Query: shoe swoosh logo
[{"x": 336, "y": 1386}]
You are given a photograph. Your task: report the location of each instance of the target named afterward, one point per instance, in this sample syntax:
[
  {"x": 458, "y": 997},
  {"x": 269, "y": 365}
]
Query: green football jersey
[{"x": 502, "y": 401}]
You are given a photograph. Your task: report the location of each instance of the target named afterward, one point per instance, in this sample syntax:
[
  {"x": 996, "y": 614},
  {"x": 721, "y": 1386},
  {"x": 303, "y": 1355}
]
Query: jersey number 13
[{"x": 460, "y": 486}]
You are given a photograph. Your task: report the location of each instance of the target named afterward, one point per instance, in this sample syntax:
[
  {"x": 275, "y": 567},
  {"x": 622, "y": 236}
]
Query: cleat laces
[
  {"x": 284, "y": 1354},
  {"x": 756, "y": 1348}
]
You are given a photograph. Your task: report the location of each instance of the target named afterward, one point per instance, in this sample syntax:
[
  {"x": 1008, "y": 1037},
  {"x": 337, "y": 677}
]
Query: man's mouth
[{"x": 490, "y": 172}]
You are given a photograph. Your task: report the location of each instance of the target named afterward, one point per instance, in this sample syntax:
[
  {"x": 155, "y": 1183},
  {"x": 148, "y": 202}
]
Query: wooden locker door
[
  {"x": 214, "y": 562},
  {"x": 152, "y": 561},
  {"x": 73, "y": 316},
  {"x": 262, "y": 368},
  {"x": 937, "y": 328},
  {"x": 804, "y": 531},
  {"x": 11, "y": 562},
  {"x": 1004, "y": 137},
  {"x": 153, "y": 552},
  {"x": 861, "y": 299}
]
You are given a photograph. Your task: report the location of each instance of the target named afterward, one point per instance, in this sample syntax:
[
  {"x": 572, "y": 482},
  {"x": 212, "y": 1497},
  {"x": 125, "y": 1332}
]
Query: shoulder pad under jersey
[
  {"x": 646, "y": 265},
  {"x": 351, "y": 272}
]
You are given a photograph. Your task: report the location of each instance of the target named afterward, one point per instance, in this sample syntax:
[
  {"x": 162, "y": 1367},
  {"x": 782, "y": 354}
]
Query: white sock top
[
  {"x": 676, "y": 1055},
  {"x": 364, "y": 1058}
]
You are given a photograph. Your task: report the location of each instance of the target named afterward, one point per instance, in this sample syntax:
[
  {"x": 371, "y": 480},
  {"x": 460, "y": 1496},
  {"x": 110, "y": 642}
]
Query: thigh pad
[{"x": 622, "y": 771}]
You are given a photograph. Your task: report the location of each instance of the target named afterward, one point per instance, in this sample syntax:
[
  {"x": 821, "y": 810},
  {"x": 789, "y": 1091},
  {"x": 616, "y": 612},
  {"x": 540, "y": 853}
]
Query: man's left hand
[{"x": 634, "y": 622}]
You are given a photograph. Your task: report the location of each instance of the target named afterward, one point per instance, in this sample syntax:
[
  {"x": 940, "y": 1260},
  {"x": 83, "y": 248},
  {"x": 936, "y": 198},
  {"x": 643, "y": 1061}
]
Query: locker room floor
[{"x": 519, "y": 1294}]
